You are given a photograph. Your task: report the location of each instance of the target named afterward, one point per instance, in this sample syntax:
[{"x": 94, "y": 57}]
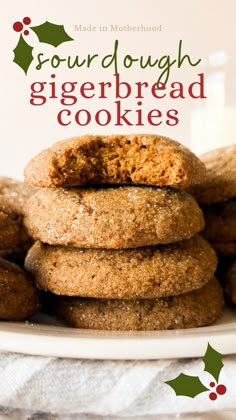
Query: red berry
[
  {"x": 212, "y": 396},
  {"x": 212, "y": 384},
  {"x": 26, "y": 32},
  {"x": 26, "y": 20},
  {"x": 18, "y": 26},
  {"x": 221, "y": 389}
]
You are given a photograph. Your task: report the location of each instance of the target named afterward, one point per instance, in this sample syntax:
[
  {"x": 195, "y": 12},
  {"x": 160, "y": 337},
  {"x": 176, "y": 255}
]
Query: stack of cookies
[
  {"x": 117, "y": 236},
  {"x": 217, "y": 196},
  {"x": 18, "y": 296}
]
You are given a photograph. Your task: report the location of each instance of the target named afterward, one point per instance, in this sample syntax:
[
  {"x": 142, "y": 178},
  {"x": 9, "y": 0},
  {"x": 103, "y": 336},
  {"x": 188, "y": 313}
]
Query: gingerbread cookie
[
  {"x": 145, "y": 159},
  {"x": 13, "y": 196},
  {"x": 123, "y": 217},
  {"x": 225, "y": 248},
  {"x": 220, "y": 221},
  {"x": 19, "y": 298},
  {"x": 194, "y": 309},
  {"x": 148, "y": 272},
  {"x": 229, "y": 281},
  {"x": 220, "y": 183},
  {"x": 16, "y": 193}
]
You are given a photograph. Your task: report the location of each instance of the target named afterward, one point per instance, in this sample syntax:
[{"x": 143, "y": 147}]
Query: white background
[{"x": 206, "y": 27}]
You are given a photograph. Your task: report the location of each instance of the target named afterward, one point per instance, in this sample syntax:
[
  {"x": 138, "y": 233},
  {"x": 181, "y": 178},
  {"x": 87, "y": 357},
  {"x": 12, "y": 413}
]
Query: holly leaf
[
  {"x": 213, "y": 362},
  {"x": 52, "y": 34},
  {"x": 23, "y": 56},
  {"x": 187, "y": 386}
]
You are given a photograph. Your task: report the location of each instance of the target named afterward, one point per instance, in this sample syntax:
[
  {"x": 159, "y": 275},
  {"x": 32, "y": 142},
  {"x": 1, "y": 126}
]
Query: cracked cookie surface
[
  {"x": 148, "y": 272},
  {"x": 194, "y": 309},
  {"x": 122, "y": 217}
]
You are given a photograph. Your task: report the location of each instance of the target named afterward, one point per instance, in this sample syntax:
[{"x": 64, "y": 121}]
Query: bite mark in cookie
[{"x": 119, "y": 159}]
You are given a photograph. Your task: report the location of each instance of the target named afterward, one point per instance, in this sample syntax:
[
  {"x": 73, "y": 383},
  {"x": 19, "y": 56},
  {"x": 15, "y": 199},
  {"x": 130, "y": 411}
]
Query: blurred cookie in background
[
  {"x": 220, "y": 183},
  {"x": 19, "y": 298},
  {"x": 14, "y": 240}
]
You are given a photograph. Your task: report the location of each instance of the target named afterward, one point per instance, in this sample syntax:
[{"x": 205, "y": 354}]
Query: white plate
[{"x": 43, "y": 338}]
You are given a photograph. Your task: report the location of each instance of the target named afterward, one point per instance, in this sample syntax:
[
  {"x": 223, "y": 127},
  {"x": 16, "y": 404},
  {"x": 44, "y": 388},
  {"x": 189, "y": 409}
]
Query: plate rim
[{"x": 62, "y": 341}]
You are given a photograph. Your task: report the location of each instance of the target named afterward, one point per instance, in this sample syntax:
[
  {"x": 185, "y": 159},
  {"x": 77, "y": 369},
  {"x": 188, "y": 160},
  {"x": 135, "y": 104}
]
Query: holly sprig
[
  {"x": 191, "y": 386},
  {"x": 47, "y": 33}
]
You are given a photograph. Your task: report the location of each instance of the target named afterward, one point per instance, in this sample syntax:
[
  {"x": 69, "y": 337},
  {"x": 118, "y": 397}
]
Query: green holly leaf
[
  {"x": 52, "y": 34},
  {"x": 213, "y": 362},
  {"x": 23, "y": 56},
  {"x": 186, "y": 385}
]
